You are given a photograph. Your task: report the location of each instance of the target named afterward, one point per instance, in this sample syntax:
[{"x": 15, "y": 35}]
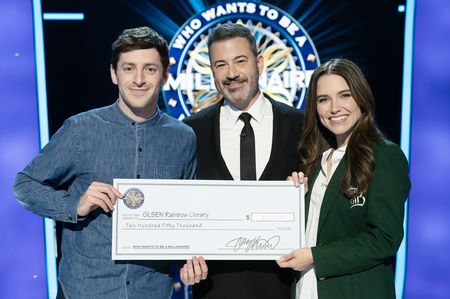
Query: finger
[
  {"x": 190, "y": 272},
  {"x": 114, "y": 193},
  {"x": 295, "y": 179},
  {"x": 109, "y": 190},
  {"x": 203, "y": 267},
  {"x": 184, "y": 275},
  {"x": 286, "y": 257},
  {"x": 301, "y": 177},
  {"x": 103, "y": 197},
  {"x": 287, "y": 264},
  {"x": 93, "y": 202},
  {"x": 197, "y": 270},
  {"x": 282, "y": 264},
  {"x": 117, "y": 192}
]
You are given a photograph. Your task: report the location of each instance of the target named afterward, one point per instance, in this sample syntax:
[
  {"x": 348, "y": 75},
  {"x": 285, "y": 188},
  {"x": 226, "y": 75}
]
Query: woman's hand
[
  {"x": 298, "y": 259},
  {"x": 194, "y": 271},
  {"x": 299, "y": 178}
]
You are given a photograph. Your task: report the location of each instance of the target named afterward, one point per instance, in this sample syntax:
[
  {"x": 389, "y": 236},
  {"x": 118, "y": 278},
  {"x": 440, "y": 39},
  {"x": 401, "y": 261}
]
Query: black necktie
[{"x": 248, "y": 160}]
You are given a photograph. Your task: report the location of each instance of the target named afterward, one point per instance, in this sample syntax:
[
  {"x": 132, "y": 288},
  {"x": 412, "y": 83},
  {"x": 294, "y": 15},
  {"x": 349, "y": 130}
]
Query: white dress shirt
[
  {"x": 230, "y": 131},
  {"x": 307, "y": 285}
]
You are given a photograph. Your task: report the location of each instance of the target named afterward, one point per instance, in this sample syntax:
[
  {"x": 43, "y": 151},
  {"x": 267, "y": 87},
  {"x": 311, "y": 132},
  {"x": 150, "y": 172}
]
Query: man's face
[
  {"x": 236, "y": 71},
  {"x": 139, "y": 76}
]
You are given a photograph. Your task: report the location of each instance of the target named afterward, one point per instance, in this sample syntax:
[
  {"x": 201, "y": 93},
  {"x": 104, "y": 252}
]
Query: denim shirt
[{"x": 100, "y": 145}]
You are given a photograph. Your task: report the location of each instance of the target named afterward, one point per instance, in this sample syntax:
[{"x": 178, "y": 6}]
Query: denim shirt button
[
  {"x": 140, "y": 148},
  {"x": 128, "y": 282},
  {"x": 138, "y": 176},
  {"x": 133, "y": 123}
]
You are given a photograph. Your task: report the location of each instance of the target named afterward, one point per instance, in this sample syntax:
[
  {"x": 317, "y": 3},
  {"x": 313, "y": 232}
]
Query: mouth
[
  {"x": 138, "y": 91},
  {"x": 234, "y": 84},
  {"x": 338, "y": 119}
]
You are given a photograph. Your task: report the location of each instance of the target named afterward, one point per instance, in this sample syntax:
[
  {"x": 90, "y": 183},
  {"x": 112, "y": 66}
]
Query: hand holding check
[{"x": 194, "y": 271}]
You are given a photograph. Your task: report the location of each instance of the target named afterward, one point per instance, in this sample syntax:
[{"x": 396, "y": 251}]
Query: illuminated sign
[{"x": 289, "y": 56}]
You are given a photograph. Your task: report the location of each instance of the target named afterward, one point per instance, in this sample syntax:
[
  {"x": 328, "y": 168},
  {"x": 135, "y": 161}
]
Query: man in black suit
[{"x": 275, "y": 130}]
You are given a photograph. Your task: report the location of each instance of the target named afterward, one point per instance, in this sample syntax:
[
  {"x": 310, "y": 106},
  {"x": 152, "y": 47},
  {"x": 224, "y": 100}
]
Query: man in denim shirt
[{"x": 70, "y": 181}]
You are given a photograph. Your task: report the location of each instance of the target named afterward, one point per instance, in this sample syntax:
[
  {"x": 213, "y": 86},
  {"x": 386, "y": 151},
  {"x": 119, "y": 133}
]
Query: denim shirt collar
[{"x": 121, "y": 117}]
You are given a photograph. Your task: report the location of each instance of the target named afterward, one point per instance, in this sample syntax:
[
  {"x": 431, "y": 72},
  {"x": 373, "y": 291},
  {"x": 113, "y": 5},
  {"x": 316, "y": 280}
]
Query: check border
[{"x": 120, "y": 183}]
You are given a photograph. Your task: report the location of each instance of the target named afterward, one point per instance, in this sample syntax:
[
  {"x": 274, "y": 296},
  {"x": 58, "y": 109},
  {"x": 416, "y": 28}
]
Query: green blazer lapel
[
  {"x": 311, "y": 180},
  {"x": 331, "y": 193}
]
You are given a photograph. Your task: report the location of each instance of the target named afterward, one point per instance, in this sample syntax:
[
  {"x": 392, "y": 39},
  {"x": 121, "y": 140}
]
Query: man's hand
[
  {"x": 194, "y": 271},
  {"x": 98, "y": 195}
]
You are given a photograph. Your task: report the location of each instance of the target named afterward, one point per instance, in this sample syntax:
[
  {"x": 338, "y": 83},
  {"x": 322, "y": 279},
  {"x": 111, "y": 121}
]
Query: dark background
[{"x": 77, "y": 53}]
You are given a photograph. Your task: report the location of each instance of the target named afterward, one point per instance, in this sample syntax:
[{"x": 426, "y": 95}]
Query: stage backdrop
[{"x": 77, "y": 57}]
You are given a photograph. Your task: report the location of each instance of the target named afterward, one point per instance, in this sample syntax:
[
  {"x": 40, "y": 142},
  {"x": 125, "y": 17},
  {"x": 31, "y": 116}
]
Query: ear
[
  {"x": 113, "y": 74},
  {"x": 165, "y": 76},
  {"x": 260, "y": 63}
]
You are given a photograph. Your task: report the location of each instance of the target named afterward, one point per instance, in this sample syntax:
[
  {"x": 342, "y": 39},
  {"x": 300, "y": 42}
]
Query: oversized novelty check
[{"x": 219, "y": 220}]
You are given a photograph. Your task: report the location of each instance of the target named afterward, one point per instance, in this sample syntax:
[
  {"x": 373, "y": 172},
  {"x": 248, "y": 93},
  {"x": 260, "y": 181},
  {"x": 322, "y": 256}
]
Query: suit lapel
[
  {"x": 216, "y": 152},
  {"x": 331, "y": 193},
  {"x": 279, "y": 135}
]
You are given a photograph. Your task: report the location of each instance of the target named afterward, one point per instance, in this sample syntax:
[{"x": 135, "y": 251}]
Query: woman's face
[{"x": 336, "y": 107}]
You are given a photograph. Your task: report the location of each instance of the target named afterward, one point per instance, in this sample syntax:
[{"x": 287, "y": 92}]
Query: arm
[
  {"x": 42, "y": 186},
  {"x": 301, "y": 258},
  {"x": 382, "y": 237},
  {"x": 191, "y": 165}
]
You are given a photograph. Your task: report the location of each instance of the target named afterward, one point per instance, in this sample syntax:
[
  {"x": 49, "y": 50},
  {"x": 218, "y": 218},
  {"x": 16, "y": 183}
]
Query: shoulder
[
  {"x": 389, "y": 154},
  {"x": 174, "y": 124},
  {"x": 287, "y": 111},
  {"x": 93, "y": 115},
  {"x": 202, "y": 115},
  {"x": 79, "y": 126},
  {"x": 388, "y": 149}
]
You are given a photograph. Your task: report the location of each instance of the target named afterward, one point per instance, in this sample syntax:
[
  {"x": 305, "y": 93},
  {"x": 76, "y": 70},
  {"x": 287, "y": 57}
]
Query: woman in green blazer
[{"x": 358, "y": 183}]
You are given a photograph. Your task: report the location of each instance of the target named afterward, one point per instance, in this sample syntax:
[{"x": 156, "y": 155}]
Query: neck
[
  {"x": 342, "y": 140},
  {"x": 137, "y": 114},
  {"x": 249, "y": 104}
]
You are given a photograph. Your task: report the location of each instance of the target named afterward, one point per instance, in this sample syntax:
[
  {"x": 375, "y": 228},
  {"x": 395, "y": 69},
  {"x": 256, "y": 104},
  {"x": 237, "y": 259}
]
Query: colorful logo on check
[{"x": 133, "y": 198}]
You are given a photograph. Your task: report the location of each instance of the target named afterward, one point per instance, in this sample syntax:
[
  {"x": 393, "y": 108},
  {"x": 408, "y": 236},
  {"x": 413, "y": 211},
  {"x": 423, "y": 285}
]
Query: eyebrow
[
  {"x": 134, "y": 64},
  {"x": 340, "y": 92},
  {"x": 234, "y": 59},
  {"x": 240, "y": 56},
  {"x": 345, "y": 90}
]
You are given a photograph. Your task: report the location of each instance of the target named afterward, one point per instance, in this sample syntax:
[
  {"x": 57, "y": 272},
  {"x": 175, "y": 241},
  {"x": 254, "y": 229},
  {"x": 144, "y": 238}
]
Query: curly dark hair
[{"x": 140, "y": 38}]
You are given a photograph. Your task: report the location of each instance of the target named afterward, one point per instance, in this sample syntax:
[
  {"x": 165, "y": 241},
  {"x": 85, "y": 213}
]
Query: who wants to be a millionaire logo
[{"x": 289, "y": 56}]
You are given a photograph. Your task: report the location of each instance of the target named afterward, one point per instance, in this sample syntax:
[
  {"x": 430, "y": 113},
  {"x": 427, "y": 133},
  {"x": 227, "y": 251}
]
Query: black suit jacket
[{"x": 246, "y": 279}]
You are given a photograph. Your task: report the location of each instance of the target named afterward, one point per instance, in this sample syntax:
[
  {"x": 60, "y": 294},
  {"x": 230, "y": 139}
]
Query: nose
[
  {"x": 139, "y": 78},
  {"x": 232, "y": 72},
  {"x": 334, "y": 105}
]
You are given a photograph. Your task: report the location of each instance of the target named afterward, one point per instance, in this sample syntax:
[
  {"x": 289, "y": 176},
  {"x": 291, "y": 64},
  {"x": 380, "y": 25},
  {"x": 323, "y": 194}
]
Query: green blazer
[{"x": 358, "y": 238}]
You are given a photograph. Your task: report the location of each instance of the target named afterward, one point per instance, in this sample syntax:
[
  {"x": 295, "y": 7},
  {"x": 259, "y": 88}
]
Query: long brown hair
[{"x": 316, "y": 138}]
